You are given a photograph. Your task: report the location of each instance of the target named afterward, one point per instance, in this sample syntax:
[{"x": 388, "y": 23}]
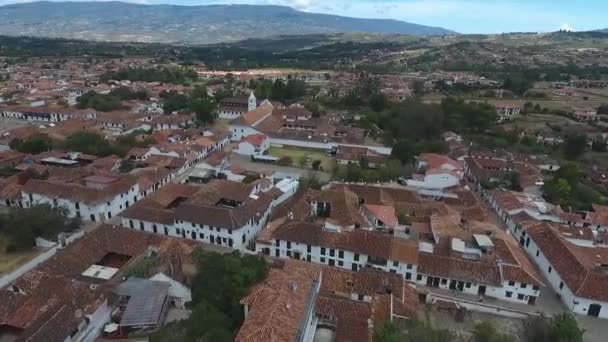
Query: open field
[
  {"x": 11, "y": 261},
  {"x": 538, "y": 121},
  {"x": 327, "y": 163}
]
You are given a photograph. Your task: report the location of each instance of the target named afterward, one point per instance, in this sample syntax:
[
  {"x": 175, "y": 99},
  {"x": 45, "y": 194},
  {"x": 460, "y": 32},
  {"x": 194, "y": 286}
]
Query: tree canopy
[
  {"x": 100, "y": 102},
  {"x": 177, "y": 75},
  {"x": 575, "y": 145},
  {"x": 20, "y": 226},
  {"x": 222, "y": 280},
  {"x": 559, "y": 328},
  {"x": 33, "y": 145}
]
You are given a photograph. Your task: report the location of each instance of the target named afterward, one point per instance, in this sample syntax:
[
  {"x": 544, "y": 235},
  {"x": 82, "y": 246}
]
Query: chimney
[{"x": 294, "y": 286}]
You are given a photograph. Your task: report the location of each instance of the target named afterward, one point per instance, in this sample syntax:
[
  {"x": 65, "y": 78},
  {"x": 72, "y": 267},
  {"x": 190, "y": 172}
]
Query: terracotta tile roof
[
  {"x": 437, "y": 161},
  {"x": 371, "y": 243},
  {"x": 406, "y": 251},
  {"x": 254, "y": 116},
  {"x": 384, "y": 213},
  {"x": 255, "y": 139},
  {"x": 56, "y": 288},
  {"x": 579, "y": 267},
  {"x": 381, "y": 195},
  {"x": 78, "y": 192},
  {"x": 349, "y": 317},
  {"x": 278, "y": 306},
  {"x": 516, "y": 265},
  {"x": 158, "y": 207},
  {"x": 216, "y": 158},
  {"x": 171, "y": 163},
  {"x": 354, "y": 153},
  {"x": 297, "y": 205},
  {"x": 10, "y": 188},
  {"x": 344, "y": 207},
  {"x": 458, "y": 269}
]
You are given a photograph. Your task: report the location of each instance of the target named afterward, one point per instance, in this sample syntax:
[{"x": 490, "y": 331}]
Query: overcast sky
[{"x": 465, "y": 16}]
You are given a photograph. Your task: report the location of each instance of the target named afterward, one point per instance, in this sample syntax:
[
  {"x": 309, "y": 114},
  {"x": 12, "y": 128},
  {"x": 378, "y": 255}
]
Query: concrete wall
[{"x": 435, "y": 181}]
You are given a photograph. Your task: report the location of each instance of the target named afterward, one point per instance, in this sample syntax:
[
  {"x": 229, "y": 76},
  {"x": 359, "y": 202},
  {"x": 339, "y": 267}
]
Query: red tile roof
[
  {"x": 255, "y": 139},
  {"x": 579, "y": 267}
]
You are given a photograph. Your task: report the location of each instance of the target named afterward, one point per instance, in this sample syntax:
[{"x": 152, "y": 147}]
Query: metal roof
[{"x": 146, "y": 304}]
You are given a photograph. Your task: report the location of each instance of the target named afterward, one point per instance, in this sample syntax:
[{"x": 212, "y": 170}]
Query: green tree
[
  {"x": 203, "y": 108},
  {"x": 354, "y": 173},
  {"x": 263, "y": 89},
  {"x": 378, "y": 102},
  {"x": 302, "y": 161},
  {"x": 314, "y": 108},
  {"x": 199, "y": 92},
  {"x": 564, "y": 328},
  {"x": 295, "y": 89},
  {"x": 99, "y": 102},
  {"x": 22, "y": 225},
  {"x": 316, "y": 164},
  {"x": 558, "y": 191},
  {"x": 33, "y": 145},
  {"x": 574, "y": 146},
  {"x": 216, "y": 311},
  {"x": 418, "y": 88},
  {"x": 486, "y": 332},
  {"x": 404, "y": 150},
  {"x": 176, "y": 102},
  {"x": 278, "y": 90},
  {"x": 311, "y": 181},
  {"x": 89, "y": 143}
]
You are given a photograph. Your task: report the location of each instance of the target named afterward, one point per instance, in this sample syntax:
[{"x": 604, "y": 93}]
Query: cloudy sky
[{"x": 465, "y": 16}]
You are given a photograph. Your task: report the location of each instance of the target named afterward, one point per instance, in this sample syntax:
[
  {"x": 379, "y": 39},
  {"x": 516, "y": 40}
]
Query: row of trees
[
  {"x": 20, "y": 226},
  {"x": 84, "y": 142},
  {"x": 111, "y": 101},
  {"x": 220, "y": 283},
  {"x": 176, "y": 75},
  {"x": 279, "y": 90}
]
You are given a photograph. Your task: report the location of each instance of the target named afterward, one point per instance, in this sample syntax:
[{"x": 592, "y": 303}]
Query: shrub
[{"x": 286, "y": 161}]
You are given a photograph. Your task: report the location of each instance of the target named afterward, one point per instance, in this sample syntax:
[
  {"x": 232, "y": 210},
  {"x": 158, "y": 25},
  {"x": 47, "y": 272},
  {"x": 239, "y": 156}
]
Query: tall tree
[
  {"x": 575, "y": 145},
  {"x": 203, "y": 108}
]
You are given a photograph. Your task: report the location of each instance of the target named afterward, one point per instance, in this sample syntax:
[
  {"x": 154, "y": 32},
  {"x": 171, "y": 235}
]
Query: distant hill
[{"x": 126, "y": 22}]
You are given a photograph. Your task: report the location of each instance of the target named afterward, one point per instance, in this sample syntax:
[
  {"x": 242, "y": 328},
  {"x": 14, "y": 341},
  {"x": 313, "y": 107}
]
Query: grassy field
[
  {"x": 297, "y": 155},
  {"x": 10, "y": 261},
  {"x": 538, "y": 121}
]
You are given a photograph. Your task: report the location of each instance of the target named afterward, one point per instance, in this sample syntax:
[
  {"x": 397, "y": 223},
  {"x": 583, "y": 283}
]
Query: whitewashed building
[
  {"x": 99, "y": 199},
  {"x": 579, "y": 274},
  {"x": 220, "y": 212}
]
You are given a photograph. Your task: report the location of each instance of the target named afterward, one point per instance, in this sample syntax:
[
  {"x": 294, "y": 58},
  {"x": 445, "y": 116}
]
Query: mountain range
[{"x": 127, "y": 22}]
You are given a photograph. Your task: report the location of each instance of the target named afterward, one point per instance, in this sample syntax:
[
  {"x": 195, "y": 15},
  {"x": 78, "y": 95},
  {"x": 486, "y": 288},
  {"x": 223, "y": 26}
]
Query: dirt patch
[{"x": 447, "y": 320}]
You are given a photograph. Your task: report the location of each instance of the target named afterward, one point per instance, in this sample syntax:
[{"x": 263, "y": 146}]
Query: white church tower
[{"x": 253, "y": 102}]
